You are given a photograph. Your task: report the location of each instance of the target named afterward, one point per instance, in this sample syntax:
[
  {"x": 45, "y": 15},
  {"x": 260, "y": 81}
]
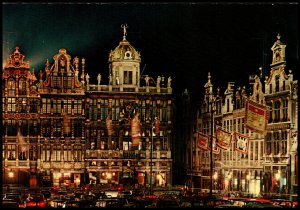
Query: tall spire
[
  {"x": 208, "y": 77},
  {"x": 208, "y": 86},
  {"x": 124, "y": 26}
]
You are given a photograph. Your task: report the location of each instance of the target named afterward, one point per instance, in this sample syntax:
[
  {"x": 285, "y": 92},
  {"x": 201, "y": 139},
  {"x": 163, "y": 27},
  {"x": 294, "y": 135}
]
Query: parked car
[
  {"x": 9, "y": 203},
  {"x": 72, "y": 204},
  {"x": 35, "y": 200},
  {"x": 167, "y": 203}
]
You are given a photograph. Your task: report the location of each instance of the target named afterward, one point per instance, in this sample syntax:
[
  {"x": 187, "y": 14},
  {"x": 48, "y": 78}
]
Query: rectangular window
[
  {"x": 284, "y": 142},
  {"x": 77, "y": 106},
  {"x": 128, "y": 77},
  {"x": 33, "y": 128},
  {"x": 67, "y": 153},
  {"x": 67, "y": 82},
  {"x": 56, "y": 82},
  {"x": 261, "y": 151},
  {"x": 251, "y": 149},
  {"x": 256, "y": 150},
  {"x": 11, "y": 127},
  {"x": 11, "y": 152},
  {"x": 77, "y": 152},
  {"x": 11, "y": 105},
  {"x": 78, "y": 128},
  {"x": 33, "y": 103},
  {"x": 56, "y": 106},
  {"x": 57, "y": 128},
  {"x": 46, "y": 128},
  {"x": 46, "y": 105},
  {"x": 285, "y": 110}
]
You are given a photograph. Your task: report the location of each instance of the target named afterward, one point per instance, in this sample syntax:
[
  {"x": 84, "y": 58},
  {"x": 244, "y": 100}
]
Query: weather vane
[{"x": 124, "y": 26}]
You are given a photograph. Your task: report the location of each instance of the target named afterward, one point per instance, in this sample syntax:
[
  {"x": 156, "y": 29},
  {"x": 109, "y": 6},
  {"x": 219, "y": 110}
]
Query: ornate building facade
[
  {"x": 270, "y": 165},
  {"x": 61, "y": 130}
]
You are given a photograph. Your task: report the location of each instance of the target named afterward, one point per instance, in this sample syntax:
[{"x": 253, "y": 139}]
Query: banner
[
  {"x": 241, "y": 142},
  {"x": 216, "y": 149},
  {"x": 256, "y": 117},
  {"x": 136, "y": 130},
  {"x": 223, "y": 138},
  {"x": 22, "y": 143},
  {"x": 109, "y": 126},
  {"x": 203, "y": 141}
]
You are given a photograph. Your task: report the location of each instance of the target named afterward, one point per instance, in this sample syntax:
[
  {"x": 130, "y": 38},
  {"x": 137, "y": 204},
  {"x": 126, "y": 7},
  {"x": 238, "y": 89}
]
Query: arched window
[
  {"x": 277, "y": 83},
  {"x": 22, "y": 86},
  {"x": 11, "y": 87},
  {"x": 238, "y": 103}
]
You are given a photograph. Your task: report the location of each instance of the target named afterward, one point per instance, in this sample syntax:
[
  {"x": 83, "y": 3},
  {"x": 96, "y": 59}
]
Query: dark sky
[{"x": 181, "y": 40}]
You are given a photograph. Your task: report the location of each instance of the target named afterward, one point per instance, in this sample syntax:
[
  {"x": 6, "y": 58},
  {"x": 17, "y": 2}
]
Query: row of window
[
  {"x": 278, "y": 111},
  {"x": 278, "y": 87},
  {"x": 11, "y": 87},
  {"x": 20, "y": 105}
]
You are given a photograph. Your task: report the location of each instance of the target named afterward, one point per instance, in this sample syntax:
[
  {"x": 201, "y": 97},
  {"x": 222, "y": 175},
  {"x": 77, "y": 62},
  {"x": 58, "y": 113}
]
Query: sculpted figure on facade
[
  {"x": 158, "y": 82},
  {"x": 147, "y": 80},
  {"x": 99, "y": 78},
  {"x": 87, "y": 77},
  {"x": 169, "y": 82}
]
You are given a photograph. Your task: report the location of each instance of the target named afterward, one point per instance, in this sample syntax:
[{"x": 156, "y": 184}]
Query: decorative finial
[
  {"x": 278, "y": 36},
  {"x": 124, "y": 26},
  {"x": 17, "y": 49},
  {"x": 208, "y": 76}
]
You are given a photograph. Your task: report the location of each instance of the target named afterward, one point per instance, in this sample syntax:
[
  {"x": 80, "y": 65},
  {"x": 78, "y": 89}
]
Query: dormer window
[{"x": 127, "y": 77}]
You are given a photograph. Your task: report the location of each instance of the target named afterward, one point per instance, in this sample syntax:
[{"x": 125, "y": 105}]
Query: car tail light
[
  {"x": 31, "y": 204},
  {"x": 21, "y": 205},
  {"x": 41, "y": 204}
]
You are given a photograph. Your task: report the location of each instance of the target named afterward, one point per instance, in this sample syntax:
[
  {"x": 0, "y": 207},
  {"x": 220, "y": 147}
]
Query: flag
[
  {"x": 216, "y": 149},
  {"x": 203, "y": 141},
  {"x": 22, "y": 143},
  {"x": 256, "y": 117},
  {"x": 135, "y": 130},
  {"x": 223, "y": 138},
  {"x": 109, "y": 126},
  {"x": 241, "y": 142},
  {"x": 157, "y": 126}
]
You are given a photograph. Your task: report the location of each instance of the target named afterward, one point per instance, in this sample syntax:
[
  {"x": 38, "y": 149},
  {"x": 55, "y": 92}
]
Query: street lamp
[
  {"x": 11, "y": 174},
  {"x": 211, "y": 102},
  {"x": 151, "y": 157}
]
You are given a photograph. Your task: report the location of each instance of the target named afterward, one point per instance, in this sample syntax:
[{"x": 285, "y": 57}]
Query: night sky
[{"x": 181, "y": 40}]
